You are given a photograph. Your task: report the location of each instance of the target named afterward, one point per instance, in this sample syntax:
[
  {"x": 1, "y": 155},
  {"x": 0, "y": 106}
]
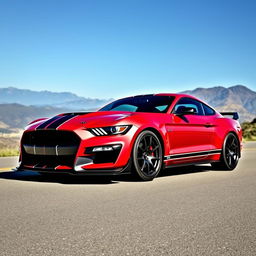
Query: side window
[
  {"x": 188, "y": 102},
  {"x": 125, "y": 107},
  {"x": 208, "y": 111},
  {"x": 162, "y": 108}
]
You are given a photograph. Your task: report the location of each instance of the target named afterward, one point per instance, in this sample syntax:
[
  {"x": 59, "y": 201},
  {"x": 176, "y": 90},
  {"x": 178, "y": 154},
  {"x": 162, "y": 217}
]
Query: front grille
[{"x": 49, "y": 148}]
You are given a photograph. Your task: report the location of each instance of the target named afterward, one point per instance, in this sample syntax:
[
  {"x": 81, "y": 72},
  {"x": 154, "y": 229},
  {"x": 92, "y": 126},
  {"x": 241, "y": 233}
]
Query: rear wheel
[
  {"x": 147, "y": 156},
  {"x": 230, "y": 154}
]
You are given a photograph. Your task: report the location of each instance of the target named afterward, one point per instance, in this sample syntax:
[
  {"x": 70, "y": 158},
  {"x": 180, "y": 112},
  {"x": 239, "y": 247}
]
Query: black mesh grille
[{"x": 49, "y": 139}]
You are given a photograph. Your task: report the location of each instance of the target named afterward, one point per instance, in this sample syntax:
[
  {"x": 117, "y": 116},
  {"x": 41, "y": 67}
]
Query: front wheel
[
  {"x": 230, "y": 154},
  {"x": 147, "y": 156}
]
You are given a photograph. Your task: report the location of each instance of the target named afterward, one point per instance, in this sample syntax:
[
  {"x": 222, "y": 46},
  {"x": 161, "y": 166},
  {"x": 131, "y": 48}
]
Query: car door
[{"x": 190, "y": 133}]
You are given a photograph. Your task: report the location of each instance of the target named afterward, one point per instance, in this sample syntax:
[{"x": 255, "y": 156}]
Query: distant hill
[
  {"x": 47, "y": 98},
  {"x": 18, "y": 116},
  {"x": 235, "y": 98}
]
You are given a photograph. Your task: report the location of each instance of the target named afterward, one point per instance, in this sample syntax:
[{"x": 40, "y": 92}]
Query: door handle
[{"x": 207, "y": 125}]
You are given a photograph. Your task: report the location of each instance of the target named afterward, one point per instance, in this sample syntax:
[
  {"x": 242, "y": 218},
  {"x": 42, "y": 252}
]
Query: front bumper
[{"x": 41, "y": 156}]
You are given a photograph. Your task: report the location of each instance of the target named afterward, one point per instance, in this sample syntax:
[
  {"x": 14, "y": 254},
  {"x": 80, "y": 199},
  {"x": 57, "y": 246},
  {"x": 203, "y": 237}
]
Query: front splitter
[{"x": 89, "y": 172}]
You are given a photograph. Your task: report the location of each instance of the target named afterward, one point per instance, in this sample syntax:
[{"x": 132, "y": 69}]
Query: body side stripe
[{"x": 193, "y": 154}]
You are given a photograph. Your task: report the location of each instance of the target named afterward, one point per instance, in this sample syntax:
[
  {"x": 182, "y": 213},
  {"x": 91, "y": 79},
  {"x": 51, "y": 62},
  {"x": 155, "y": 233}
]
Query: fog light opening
[{"x": 106, "y": 148}]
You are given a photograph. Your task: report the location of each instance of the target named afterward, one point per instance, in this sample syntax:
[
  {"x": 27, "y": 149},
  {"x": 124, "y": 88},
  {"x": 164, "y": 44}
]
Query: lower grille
[
  {"x": 106, "y": 157},
  {"x": 49, "y": 148}
]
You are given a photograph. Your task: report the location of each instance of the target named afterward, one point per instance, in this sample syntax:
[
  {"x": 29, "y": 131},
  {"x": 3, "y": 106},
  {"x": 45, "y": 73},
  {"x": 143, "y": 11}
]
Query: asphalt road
[{"x": 187, "y": 211}]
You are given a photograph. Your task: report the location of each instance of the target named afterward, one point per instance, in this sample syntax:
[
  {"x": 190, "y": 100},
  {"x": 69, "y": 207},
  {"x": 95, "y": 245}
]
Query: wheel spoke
[
  {"x": 234, "y": 143},
  {"x": 151, "y": 164},
  {"x": 151, "y": 167},
  {"x": 143, "y": 165},
  {"x": 150, "y": 141},
  {"x": 148, "y": 167},
  {"x": 141, "y": 147},
  {"x": 235, "y": 148},
  {"x": 145, "y": 143},
  {"x": 229, "y": 160},
  {"x": 155, "y": 148}
]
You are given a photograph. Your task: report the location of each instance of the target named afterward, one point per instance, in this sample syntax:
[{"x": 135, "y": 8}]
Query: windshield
[{"x": 145, "y": 103}]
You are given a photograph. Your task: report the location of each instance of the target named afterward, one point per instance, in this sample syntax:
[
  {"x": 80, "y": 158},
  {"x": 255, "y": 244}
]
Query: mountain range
[
  {"x": 235, "y": 98},
  {"x": 15, "y": 115},
  {"x": 18, "y": 106},
  {"x": 46, "y": 98}
]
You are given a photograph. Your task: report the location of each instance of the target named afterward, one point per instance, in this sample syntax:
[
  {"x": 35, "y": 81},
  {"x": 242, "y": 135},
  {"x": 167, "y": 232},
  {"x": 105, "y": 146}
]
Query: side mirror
[{"x": 185, "y": 111}]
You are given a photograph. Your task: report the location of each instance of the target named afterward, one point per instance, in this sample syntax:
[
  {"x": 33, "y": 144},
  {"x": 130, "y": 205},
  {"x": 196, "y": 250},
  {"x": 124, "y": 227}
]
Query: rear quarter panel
[{"x": 223, "y": 127}]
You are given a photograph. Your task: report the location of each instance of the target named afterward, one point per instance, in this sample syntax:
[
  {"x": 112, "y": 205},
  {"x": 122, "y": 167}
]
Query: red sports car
[{"x": 139, "y": 135}]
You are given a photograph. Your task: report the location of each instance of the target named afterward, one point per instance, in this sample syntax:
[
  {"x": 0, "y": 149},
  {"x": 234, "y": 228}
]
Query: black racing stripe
[
  {"x": 60, "y": 121},
  {"x": 43, "y": 125},
  {"x": 192, "y": 154}
]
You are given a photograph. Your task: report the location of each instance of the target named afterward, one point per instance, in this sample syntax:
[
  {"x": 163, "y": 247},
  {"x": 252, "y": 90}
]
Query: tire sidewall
[
  {"x": 224, "y": 152},
  {"x": 136, "y": 167}
]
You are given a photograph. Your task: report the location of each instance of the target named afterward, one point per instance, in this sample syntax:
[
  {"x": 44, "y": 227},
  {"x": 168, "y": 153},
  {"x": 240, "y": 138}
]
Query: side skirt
[
  {"x": 188, "y": 164},
  {"x": 192, "y": 154}
]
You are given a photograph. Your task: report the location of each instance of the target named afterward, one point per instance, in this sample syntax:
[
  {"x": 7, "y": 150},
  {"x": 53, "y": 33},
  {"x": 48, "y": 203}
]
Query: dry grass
[
  {"x": 8, "y": 152},
  {"x": 252, "y": 138},
  {"x": 249, "y": 131},
  {"x": 9, "y": 144}
]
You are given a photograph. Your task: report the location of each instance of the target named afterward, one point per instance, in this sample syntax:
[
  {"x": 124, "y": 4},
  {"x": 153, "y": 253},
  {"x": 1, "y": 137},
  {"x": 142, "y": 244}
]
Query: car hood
[
  {"x": 81, "y": 119},
  {"x": 97, "y": 119}
]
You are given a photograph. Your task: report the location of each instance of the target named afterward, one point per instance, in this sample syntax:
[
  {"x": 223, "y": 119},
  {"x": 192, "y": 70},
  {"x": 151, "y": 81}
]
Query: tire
[
  {"x": 147, "y": 156},
  {"x": 230, "y": 154}
]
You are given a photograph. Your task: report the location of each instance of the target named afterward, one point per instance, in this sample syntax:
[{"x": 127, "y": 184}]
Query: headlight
[{"x": 110, "y": 130}]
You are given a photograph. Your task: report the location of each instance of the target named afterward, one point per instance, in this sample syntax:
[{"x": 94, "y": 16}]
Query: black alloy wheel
[
  {"x": 230, "y": 153},
  {"x": 147, "y": 155}
]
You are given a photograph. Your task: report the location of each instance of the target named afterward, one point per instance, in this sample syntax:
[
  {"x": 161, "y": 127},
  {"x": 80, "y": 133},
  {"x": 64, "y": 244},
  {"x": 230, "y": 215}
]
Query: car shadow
[
  {"x": 185, "y": 170},
  {"x": 56, "y": 178},
  {"x": 66, "y": 179},
  {"x": 168, "y": 172}
]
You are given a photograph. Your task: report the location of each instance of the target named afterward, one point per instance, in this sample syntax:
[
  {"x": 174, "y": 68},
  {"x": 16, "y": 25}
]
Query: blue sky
[{"x": 118, "y": 48}]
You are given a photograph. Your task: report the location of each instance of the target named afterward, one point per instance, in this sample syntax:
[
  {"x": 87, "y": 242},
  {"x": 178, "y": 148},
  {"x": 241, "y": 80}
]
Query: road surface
[{"x": 186, "y": 211}]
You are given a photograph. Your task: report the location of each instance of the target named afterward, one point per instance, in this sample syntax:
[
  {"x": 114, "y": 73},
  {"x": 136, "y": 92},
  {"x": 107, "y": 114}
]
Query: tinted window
[
  {"x": 146, "y": 103},
  {"x": 208, "y": 111},
  {"x": 191, "y": 103},
  {"x": 125, "y": 107}
]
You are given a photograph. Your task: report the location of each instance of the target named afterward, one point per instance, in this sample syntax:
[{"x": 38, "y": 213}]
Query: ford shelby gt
[{"x": 139, "y": 135}]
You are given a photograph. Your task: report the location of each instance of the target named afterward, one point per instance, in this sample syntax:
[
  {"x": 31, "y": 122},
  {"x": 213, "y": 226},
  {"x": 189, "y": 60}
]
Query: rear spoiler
[{"x": 234, "y": 115}]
